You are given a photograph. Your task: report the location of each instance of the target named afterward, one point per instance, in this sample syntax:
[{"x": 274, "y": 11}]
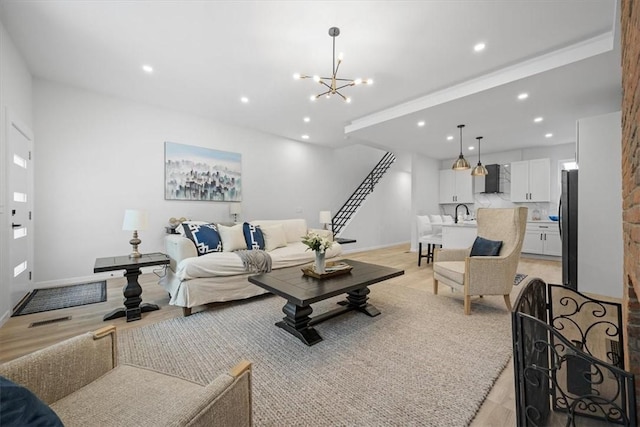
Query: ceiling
[{"x": 206, "y": 55}]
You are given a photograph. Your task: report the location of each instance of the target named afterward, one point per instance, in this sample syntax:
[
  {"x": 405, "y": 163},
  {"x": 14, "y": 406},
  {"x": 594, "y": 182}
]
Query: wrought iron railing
[
  {"x": 568, "y": 359},
  {"x": 357, "y": 198}
]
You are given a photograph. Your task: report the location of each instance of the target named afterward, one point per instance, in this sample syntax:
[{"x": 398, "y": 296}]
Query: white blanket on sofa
[{"x": 230, "y": 264}]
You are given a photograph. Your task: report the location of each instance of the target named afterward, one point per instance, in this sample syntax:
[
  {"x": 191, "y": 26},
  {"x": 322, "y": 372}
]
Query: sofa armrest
[
  {"x": 178, "y": 247},
  {"x": 60, "y": 369},
  {"x": 226, "y": 401}
]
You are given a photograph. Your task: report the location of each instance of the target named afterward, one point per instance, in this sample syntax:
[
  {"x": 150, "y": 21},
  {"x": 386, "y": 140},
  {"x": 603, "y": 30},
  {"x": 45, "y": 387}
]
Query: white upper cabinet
[
  {"x": 531, "y": 181},
  {"x": 456, "y": 186}
]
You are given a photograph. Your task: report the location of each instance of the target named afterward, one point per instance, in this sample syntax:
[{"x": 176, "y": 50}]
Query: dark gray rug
[
  {"x": 62, "y": 297},
  {"x": 422, "y": 362}
]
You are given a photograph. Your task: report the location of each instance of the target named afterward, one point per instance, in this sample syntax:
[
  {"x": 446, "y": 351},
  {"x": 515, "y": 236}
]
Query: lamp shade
[
  {"x": 235, "y": 208},
  {"x": 134, "y": 220},
  {"x": 325, "y": 217}
]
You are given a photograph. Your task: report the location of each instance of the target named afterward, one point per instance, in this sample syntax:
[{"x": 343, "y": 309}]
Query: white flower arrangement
[{"x": 316, "y": 242}]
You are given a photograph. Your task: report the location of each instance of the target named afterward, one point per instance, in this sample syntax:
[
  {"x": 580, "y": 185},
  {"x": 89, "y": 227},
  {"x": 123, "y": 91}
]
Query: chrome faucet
[{"x": 455, "y": 219}]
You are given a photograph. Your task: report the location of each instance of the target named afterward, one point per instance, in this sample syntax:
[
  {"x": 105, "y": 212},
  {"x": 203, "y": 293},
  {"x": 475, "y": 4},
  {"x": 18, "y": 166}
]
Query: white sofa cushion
[
  {"x": 274, "y": 236},
  {"x": 232, "y": 238},
  {"x": 294, "y": 229}
]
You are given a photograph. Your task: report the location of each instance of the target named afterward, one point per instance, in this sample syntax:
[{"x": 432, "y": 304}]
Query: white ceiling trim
[{"x": 558, "y": 58}]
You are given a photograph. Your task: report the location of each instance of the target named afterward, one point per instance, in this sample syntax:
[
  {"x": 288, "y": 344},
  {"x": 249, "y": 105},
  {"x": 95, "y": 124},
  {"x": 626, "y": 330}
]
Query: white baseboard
[
  {"x": 5, "y": 317},
  {"x": 371, "y": 248}
]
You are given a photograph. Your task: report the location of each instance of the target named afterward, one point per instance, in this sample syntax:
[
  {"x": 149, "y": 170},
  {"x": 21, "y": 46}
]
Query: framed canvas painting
[{"x": 201, "y": 174}]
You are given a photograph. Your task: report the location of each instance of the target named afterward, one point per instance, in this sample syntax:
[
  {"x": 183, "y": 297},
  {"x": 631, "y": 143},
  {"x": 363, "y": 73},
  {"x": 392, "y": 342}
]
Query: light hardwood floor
[{"x": 17, "y": 338}]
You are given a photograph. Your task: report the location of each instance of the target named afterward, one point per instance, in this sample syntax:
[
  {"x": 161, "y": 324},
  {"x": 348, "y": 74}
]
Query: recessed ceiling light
[
  {"x": 244, "y": 100},
  {"x": 307, "y": 119},
  {"x": 421, "y": 123},
  {"x": 147, "y": 69},
  {"x": 548, "y": 135},
  {"x": 471, "y": 147},
  {"x": 305, "y": 136},
  {"x": 538, "y": 119},
  {"x": 523, "y": 95},
  {"x": 449, "y": 137},
  {"x": 479, "y": 47}
]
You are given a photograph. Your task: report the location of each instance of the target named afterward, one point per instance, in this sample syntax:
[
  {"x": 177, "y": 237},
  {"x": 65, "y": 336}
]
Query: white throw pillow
[
  {"x": 435, "y": 219},
  {"x": 274, "y": 237},
  {"x": 424, "y": 225},
  {"x": 232, "y": 238}
]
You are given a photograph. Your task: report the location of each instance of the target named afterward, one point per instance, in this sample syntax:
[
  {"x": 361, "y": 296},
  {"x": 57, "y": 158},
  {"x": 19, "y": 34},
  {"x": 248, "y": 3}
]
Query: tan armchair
[
  {"x": 484, "y": 275},
  {"x": 82, "y": 382}
]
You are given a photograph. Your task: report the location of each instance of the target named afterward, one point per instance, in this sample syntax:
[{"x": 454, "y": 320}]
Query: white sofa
[{"x": 193, "y": 280}]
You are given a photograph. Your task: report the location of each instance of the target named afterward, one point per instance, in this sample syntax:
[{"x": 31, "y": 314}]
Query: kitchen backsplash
[{"x": 501, "y": 200}]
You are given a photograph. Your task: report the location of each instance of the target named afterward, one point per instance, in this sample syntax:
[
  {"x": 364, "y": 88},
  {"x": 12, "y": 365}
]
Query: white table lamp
[
  {"x": 235, "y": 209},
  {"x": 325, "y": 218},
  {"x": 134, "y": 220}
]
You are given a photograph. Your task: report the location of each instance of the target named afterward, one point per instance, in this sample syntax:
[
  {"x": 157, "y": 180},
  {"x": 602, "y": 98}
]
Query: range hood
[{"x": 492, "y": 181}]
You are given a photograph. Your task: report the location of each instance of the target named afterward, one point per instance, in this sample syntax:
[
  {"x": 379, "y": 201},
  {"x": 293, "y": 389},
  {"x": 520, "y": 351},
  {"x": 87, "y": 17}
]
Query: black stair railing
[{"x": 353, "y": 203}]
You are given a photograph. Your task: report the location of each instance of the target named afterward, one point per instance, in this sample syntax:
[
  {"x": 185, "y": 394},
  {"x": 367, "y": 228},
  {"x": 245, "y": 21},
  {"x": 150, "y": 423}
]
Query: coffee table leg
[
  {"x": 358, "y": 301},
  {"x": 296, "y": 323}
]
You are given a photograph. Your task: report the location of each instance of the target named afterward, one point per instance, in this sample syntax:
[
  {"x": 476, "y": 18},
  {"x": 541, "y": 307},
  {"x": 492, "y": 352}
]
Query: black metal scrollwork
[{"x": 565, "y": 365}]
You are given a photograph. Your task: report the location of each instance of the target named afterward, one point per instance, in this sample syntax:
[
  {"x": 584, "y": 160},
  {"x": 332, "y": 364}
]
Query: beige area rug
[{"x": 422, "y": 362}]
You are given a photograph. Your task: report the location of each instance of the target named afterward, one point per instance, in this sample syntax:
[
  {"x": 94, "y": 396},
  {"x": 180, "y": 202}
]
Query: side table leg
[
  {"x": 131, "y": 291},
  {"x": 296, "y": 322}
]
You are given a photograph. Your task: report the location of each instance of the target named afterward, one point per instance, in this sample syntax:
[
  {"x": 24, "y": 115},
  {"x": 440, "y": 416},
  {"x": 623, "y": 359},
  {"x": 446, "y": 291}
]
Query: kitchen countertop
[
  {"x": 462, "y": 224},
  {"x": 475, "y": 224}
]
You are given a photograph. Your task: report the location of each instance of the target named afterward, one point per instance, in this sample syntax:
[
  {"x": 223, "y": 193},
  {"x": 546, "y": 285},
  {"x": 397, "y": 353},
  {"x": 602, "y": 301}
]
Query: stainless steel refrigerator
[{"x": 568, "y": 224}]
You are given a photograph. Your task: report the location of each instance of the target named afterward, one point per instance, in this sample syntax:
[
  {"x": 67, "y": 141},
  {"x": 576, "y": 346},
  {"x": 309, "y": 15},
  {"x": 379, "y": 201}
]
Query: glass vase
[{"x": 319, "y": 263}]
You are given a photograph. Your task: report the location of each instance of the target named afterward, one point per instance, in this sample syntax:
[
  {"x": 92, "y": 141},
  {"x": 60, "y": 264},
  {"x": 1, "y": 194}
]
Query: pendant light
[
  {"x": 461, "y": 163},
  {"x": 479, "y": 170}
]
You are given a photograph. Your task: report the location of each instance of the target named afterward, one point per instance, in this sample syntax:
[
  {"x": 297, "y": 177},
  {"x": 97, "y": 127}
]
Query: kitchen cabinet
[
  {"x": 531, "y": 181},
  {"x": 542, "y": 239},
  {"x": 456, "y": 186}
]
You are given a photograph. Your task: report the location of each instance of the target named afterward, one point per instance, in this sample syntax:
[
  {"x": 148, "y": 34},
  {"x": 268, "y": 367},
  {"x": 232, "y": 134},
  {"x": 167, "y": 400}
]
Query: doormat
[
  {"x": 62, "y": 297},
  {"x": 519, "y": 278}
]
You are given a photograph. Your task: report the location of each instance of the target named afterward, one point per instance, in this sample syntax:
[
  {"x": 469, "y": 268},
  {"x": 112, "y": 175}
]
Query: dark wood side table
[
  {"x": 344, "y": 240},
  {"x": 133, "y": 308}
]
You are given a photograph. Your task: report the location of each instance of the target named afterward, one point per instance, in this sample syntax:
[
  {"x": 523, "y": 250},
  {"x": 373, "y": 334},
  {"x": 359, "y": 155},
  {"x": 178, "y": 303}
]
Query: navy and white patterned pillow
[
  {"x": 253, "y": 236},
  {"x": 204, "y": 236}
]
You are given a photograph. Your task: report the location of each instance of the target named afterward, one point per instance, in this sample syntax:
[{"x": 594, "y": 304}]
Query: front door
[{"x": 20, "y": 195}]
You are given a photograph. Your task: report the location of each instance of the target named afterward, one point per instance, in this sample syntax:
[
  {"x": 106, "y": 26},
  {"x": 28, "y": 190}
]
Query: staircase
[{"x": 351, "y": 206}]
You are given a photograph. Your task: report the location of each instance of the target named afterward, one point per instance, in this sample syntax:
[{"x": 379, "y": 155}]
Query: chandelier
[{"x": 333, "y": 84}]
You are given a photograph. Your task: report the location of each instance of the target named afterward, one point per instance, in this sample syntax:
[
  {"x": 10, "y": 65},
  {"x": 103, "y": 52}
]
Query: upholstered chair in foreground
[
  {"x": 489, "y": 267},
  {"x": 82, "y": 382}
]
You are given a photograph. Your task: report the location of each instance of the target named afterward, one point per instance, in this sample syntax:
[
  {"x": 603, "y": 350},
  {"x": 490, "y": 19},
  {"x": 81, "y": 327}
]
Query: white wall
[
  {"x": 385, "y": 217},
  {"x": 600, "y": 244},
  {"x": 425, "y": 188},
  {"x": 99, "y": 155},
  {"x": 15, "y": 97}
]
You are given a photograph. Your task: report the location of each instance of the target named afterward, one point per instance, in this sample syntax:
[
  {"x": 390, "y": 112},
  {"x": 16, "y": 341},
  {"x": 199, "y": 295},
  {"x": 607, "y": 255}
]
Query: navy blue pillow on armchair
[
  {"x": 486, "y": 247},
  {"x": 19, "y": 407}
]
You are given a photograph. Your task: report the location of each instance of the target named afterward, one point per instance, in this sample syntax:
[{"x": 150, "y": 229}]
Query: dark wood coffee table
[{"x": 301, "y": 291}]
